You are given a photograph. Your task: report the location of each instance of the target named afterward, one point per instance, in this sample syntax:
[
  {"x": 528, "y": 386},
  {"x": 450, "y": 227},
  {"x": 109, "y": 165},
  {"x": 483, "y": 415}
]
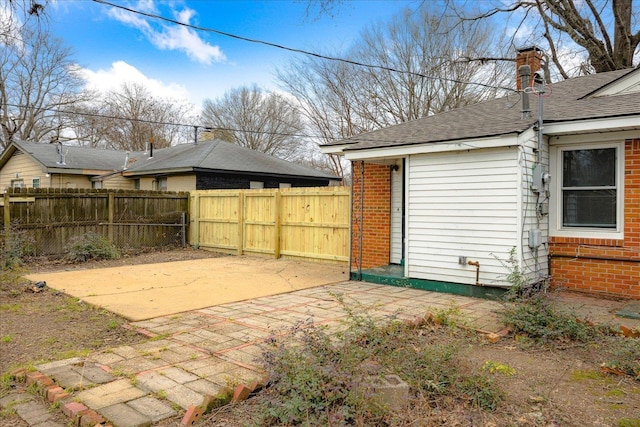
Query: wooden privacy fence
[
  {"x": 296, "y": 222},
  {"x": 49, "y": 219}
]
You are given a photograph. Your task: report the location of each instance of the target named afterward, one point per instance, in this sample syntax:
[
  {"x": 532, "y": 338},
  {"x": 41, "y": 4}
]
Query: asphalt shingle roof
[
  {"x": 221, "y": 156},
  {"x": 75, "y": 158},
  {"x": 208, "y": 155},
  {"x": 568, "y": 100}
]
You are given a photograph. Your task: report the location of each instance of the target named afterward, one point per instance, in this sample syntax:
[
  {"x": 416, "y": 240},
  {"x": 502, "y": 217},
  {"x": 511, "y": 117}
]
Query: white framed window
[
  {"x": 587, "y": 197},
  {"x": 96, "y": 185},
  {"x": 17, "y": 183},
  {"x": 256, "y": 185},
  {"x": 35, "y": 183},
  {"x": 136, "y": 184}
]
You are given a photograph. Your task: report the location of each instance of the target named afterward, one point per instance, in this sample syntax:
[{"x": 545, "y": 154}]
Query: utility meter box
[{"x": 535, "y": 238}]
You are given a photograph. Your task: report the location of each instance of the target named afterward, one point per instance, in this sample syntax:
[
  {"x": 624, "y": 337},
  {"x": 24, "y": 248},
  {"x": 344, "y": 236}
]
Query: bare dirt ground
[{"x": 549, "y": 386}]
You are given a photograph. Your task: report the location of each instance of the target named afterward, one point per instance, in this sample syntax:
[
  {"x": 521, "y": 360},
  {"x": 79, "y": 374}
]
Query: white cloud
[
  {"x": 120, "y": 72},
  {"x": 170, "y": 36}
]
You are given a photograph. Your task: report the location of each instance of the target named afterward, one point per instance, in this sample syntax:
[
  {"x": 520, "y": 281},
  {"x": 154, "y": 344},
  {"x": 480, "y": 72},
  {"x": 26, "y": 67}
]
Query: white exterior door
[{"x": 397, "y": 214}]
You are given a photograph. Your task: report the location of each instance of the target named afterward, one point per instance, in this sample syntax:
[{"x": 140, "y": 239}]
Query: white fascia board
[
  {"x": 585, "y": 138},
  {"x": 589, "y": 126},
  {"x": 334, "y": 149},
  {"x": 432, "y": 147}
]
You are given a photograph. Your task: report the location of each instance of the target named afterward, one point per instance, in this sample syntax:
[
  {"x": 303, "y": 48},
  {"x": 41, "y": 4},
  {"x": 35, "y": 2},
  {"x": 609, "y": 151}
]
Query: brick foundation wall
[
  {"x": 374, "y": 219},
  {"x": 604, "y": 266}
]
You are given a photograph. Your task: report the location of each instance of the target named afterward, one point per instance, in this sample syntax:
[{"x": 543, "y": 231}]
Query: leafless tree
[
  {"x": 37, "y": 79},
  {"x": 262, "y": 121},
  {"x": 129, "y": 118},
  {"x": 606, "y": 31},
  {"x": 15, "y": 14},
  {"x": 419, "y": 68}
]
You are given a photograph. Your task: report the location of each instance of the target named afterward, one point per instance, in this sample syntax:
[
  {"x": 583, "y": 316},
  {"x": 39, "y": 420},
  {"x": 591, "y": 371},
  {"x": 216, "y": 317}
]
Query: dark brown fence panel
[{"x": 52, "y": 218}]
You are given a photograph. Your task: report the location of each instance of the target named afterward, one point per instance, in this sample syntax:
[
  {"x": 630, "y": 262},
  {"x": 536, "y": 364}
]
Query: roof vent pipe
[
  {"x": 151, "y": 150},
  {"x": 524, "y": 72},
  {"x": 126, "y": 161},
  {"x": 62, "y": 155}
]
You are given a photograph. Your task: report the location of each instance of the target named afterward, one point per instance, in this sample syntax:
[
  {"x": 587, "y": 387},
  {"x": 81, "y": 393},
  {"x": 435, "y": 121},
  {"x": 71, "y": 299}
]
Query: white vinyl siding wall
[
  {"x": 464, "y": 203},
  {"x": 396, "y": 214}
]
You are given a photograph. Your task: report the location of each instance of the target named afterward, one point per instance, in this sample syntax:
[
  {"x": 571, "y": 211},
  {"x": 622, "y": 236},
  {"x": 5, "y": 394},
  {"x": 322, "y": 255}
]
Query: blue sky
[{"x": 113, "y": 46}]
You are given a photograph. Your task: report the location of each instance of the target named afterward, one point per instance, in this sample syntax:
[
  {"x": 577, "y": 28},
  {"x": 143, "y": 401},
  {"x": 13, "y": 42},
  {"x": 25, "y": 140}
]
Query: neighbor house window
[
  {"x": 136, "y": 184},
  {"x": 285, "y": 185},
  {"x": 96, "y": 185},
  {"x": 162, "y": 183},
  {"x": 587, "y": 196},
  {"x": 17, "y": 183},
  {"x": 256, "y": 185},
  {"x": 35, "y": 183}
]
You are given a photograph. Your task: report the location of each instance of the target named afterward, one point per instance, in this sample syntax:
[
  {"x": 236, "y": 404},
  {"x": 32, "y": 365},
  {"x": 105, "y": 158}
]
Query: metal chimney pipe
[{"x": 525, "y": 78}]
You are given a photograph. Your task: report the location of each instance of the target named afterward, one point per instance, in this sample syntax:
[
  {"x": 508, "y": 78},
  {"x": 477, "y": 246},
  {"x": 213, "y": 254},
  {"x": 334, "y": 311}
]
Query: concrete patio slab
[{"x": 141, "y": 292}]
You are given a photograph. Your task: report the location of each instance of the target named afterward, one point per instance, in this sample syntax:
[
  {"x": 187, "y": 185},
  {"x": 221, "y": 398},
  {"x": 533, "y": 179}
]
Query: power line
[
  {"x": 296, "y": 50},
  {"x": 357, "y": 138},
  {"x": 162, "y": 123}
]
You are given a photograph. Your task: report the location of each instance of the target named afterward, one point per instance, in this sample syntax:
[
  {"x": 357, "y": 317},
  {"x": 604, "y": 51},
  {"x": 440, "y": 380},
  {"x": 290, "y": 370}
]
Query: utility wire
[
  {"x": 357, "y": 138},
  {"x": 301, "y": 51},
  {"x": 156, "y": 122}
]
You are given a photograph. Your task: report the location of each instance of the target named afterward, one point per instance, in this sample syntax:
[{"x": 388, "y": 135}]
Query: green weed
[
  {"x": 623, "y": 354},
  {"x": 500, "y": 368},
  {"x": 92, "y": 246},
  {"x": 6, "y": 339},
  {"x": 113, "y": 324},
  {"x": 12, "y": 308},
  {"x": 316, "y": 375},
  {"x": 629, "y": 422},
  {"x": 581, "y": 375}
]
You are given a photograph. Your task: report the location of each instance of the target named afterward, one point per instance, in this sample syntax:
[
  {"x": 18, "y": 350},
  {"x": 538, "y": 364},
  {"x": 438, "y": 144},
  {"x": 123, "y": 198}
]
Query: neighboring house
[
  {"x": 208, "y": 165},
  {"x": 218, "y": 165},
  {"x": 35, "y": 165},
  {"x": 447, "y": 197}
]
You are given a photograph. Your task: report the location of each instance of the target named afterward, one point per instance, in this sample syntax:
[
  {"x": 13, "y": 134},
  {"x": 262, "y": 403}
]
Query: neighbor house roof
[
  {"x": 575, "y": 99},
  {"x": 219, "y": 156},
  {"x": 77, "y": 160},
  {"x": 212, "y": 156}
]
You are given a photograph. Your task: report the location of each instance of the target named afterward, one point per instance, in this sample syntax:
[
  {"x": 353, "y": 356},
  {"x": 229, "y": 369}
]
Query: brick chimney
[{"x": 531, "y": 56}]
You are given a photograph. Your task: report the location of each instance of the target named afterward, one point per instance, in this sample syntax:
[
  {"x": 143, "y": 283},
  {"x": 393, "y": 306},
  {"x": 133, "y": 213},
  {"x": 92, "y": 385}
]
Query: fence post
[
  {"x": 241, "y": 197},
  {"x": 183, "y": 219},
  {"x": 195, "y": 218},
  {"x": 7, "y": 213},
  {"x": 277, "y": 232},
  {"x": 111, "y": 207}
]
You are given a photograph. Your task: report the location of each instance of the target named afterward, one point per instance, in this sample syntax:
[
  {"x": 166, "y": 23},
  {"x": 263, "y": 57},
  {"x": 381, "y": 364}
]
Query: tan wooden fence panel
[{"x": 311, "y": 223}]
